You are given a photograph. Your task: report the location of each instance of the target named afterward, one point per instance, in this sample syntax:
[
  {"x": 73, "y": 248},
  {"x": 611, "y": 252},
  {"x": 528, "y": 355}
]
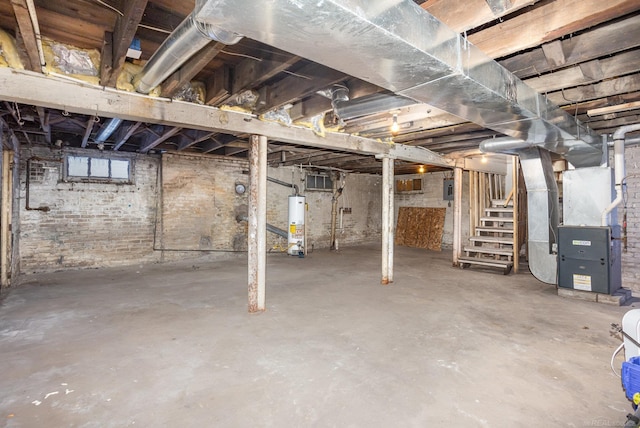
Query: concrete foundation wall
[{"x": 631, "y": 258}]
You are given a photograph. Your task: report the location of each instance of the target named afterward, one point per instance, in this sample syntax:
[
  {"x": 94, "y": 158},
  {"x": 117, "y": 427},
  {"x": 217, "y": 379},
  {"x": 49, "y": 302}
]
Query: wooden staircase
[{"x": 492, "y": 244}]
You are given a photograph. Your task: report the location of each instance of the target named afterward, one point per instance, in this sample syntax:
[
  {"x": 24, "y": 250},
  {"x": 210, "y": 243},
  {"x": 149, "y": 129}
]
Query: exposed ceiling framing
[{"x": 583, "y": 54}]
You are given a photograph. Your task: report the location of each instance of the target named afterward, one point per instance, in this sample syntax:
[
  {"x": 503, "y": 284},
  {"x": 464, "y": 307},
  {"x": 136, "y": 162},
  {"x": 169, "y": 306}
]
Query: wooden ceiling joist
[
  {"x": 30, "y": 36},
  {"x": 152, "y": 142},
  {"x": 463, "y": 15},
  {"x": 592, "y": 44},
  {"x": 123, "y": 134},
  {"x": 547, "y": 22}
]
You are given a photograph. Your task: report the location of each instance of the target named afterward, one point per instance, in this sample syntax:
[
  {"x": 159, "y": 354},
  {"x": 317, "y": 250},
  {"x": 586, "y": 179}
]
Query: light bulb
[
  {"x": 394, "y": 126},
  {"x": 421, "y": 169}
]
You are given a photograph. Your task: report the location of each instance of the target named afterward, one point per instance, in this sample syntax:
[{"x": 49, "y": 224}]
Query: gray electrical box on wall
[
  {"x": 447, "y": 190},
  {"x": 588, "y": 259}
]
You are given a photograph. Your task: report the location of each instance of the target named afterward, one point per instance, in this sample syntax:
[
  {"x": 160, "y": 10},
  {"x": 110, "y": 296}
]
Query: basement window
[
  {"x": 100, "y": 169},
  {"x": 318, "y": 182},
  {"x": 409, "y": 185}
]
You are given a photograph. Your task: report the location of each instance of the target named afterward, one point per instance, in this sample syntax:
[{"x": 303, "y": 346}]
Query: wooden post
[
  {"x": 257, "y": 251},
  {"x": 457, "y": 214},
  {"x": 4, "y": 218},
  {"x": 516, "y": 217},
  {"x": 387, "y": 219}
]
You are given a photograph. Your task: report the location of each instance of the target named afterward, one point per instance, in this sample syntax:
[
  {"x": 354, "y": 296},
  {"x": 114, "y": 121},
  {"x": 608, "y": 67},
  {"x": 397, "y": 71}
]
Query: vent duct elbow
[{"x": 185, "y": 41}]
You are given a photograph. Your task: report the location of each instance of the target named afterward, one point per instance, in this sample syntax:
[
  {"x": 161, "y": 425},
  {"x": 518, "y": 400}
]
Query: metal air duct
[
  {"x": 543, "y": 218},
  {"x": 190, "y": 36},
  {"x": 107, "y": 130},
  {"x": 397, "y": 45}
]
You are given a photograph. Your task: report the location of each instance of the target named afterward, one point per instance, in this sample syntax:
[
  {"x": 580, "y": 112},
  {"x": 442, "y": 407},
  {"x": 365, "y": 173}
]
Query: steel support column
[
  {"x": 257, "y": 254},
  {"x": 457, "y": 214},
  {"x": 388, "y": 215}
]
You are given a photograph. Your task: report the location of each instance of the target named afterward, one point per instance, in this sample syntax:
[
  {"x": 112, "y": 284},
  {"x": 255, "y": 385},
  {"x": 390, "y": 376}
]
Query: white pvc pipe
[{"x": 619, "y": 168}]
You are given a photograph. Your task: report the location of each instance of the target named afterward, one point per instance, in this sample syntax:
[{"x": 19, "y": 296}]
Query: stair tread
[
  {"x": 499, "y": 209},
  {"x": 500, "y": 203},
  {"x": 494, "y": 229},
  {"x": 486, "y": 262},
  {"x": 492, "y": 239},
  {"x": 485, "y": 250},
  {"x": 506, "y": 219}
]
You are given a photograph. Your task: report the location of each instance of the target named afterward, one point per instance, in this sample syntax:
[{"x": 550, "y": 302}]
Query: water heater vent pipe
[{"x": 619, "y": 167}]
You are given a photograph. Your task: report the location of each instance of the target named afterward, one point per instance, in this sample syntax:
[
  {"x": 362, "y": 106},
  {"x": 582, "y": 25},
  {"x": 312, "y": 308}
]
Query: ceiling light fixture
[
  {"x": 394, "y": 125},
  {"x": 421, "y": 169}
]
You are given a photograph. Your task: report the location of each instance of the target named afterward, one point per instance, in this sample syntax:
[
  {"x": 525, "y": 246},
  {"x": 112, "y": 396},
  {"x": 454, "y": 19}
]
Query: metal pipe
[
  {"x": 270, "y": 228},
  {"x": 505, "y": 145},
  {"x": 337, "y": 191},
  {"x": 107, "y": 130},
  {"x": 285, "y": 184},
  {"x": 257, "y": 251},
  {"x": 443, "y": 70},
  {"x": 188, "y": 38},
  {"x": 619, "y": 168}
]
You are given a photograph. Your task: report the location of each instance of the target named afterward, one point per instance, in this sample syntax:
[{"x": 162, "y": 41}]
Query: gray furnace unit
[
  {"x": 585, "y": 259},
  {"x": 588, "y": 253}
]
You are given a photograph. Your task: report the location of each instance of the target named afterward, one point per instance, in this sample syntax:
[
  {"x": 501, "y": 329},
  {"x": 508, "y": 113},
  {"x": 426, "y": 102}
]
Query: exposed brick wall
[
  {"x": 180, "y": 206},
  {"x": 631, "y": 258},
  {"x": 88, "y": 224},
  {"x": 362, "y": 193},
  {"x": 199, "y": 205}
]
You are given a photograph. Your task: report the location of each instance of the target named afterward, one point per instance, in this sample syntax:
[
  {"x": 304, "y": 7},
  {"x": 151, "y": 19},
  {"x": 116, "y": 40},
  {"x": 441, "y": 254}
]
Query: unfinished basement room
[{"x": 319, "y": 213}]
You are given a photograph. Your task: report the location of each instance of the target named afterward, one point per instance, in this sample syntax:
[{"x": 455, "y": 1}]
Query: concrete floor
[{"x": 172, "y": 345}]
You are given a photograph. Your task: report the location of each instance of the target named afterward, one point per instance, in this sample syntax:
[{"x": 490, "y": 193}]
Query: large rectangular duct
[{"x": 398, "y": 46}]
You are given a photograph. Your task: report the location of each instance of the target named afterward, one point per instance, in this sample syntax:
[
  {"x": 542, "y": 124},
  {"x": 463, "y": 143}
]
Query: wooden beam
[
  {"x": 106, "y": 60},
  {"x": 36, "y": 89},
  {"x": 614, "y": 109},
  {"x": 44, "y": 123},
  {"x": 308, "y": 80},
  {"x": 190, "y": 69},
  {"x": 89, "y": 129},
  {"x": 219, "y": 86},
  {"x": 592, "y": 44},
  {"x": 535, "y": 27},
  {"x": 123, "y": 34},
  {"x": 603, "y": 89},
  {"x": 124, "y": 133},
  {"x": 251, "y": 73},
  {"x": 589, "y": 72},
  {"x": 463, "y": 15},
  {"x": 189, "y": 140},
  {"x": 151, "y": 143},
  {"x": 28, "y": 32}
]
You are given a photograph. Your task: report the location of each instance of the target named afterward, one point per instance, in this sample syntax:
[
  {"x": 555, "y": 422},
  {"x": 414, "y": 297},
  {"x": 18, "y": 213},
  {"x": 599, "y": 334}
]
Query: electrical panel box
[
  {"x": 447, "y": 190},
  {"x": 588, "y": 259}
]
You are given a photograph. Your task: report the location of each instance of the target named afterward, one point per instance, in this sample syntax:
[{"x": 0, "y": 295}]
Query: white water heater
[{"x": 297, "y": 207}]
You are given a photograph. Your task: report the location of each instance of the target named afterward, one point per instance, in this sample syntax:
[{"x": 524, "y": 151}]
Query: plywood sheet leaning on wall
[{"x": 420, "y": 227}]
